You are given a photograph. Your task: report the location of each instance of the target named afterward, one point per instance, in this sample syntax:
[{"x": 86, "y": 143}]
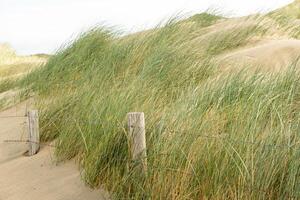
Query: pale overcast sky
[{"x": 41, "y": 26}]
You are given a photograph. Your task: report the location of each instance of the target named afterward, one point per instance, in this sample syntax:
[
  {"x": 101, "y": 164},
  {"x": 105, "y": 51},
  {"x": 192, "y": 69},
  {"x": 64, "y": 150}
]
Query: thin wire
[
  {"x": 12, "y": 116},
  {"x": 294, "y": 146},
  {"x": 28, "y": 141},
  {"x": 251, "y": 143},
  {"x": 226, "y": 137},
  {"x": 203, "y": 136}
]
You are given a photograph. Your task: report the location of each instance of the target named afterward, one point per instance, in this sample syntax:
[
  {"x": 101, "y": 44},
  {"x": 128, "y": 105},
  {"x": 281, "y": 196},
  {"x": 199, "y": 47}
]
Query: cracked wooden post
[
  {"x": 33, "y": 131},
  {"x": 137, "y": 137}
]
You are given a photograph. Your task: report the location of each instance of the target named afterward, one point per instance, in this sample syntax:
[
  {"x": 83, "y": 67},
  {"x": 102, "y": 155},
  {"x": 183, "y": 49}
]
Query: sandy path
[{"x": 37, "y": 177}]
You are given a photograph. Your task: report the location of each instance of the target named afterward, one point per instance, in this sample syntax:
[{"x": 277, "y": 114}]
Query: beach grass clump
[
  {"x": 205, "y": 19},
  {"x": 210, "y": 135},
  {"x": 6, "y": 85}
]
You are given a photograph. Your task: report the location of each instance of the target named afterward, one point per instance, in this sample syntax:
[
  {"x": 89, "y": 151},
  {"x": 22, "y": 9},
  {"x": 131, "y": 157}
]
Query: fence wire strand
[
  {"x": 28, "y": 141},
  {"x": 273, "y": 146},
  {"x": 216, "y": 137},
  {"x": 13, "y": 116}
]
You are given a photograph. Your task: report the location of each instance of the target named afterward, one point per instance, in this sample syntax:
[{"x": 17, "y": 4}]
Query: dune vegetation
[
  {"x": 13, "y": 68},
  {"x": 288, "y": 18},
  {"x": 211, "y": 133}
]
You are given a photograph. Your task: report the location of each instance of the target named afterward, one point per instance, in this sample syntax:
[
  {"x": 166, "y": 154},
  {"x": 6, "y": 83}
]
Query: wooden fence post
[
  {"x": 33, "y": 130},
  {"x": 137, "y": 137}
]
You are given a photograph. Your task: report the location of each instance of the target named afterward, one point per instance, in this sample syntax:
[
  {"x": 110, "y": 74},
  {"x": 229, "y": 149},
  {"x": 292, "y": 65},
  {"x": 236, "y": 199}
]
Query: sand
[
  {"x": 36, "y": 177},
  {"x": 268, "y": 55}
]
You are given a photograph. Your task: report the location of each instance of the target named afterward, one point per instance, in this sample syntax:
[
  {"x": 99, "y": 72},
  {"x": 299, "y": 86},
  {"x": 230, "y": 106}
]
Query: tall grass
[
  {"x": 13, "y": 66},
  {"x": 209, "y": 135},
  {"x": 288, "y": 19},
  {"x": 12, "y": 69},
  {"x": 6, "y": 85},
  {"x": 205, "y": 19}
]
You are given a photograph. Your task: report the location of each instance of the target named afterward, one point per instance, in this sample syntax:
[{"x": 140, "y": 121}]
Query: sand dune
[
  {"x": 13, "y": 66},
  {"x": 37, "y": 177},
  {"x": 269, "y": 55}
]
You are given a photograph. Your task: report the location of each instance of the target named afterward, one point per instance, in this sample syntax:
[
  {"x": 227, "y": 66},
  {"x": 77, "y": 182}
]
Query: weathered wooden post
[
  {"x": 33, "y": 130},
  {"x": 137, "y": 137}
]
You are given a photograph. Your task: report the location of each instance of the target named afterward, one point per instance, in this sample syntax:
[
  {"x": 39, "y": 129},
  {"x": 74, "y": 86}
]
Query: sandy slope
[
  {"x": 37, "y": 177},
  {"x": 269, "y": 55},
  {"x": 13, "y": 66}
]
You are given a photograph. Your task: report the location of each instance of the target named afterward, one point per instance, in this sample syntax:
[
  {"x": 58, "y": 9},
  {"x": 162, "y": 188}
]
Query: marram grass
[{"x": 209, "y": 135}]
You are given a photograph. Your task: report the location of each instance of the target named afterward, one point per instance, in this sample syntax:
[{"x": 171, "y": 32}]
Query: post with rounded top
[
  {"x": 33, "y": 131},
  {"x": 137, "y": 137}
]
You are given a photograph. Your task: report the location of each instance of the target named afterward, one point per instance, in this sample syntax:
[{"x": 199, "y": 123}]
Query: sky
[{"x": 42, "y": 26}]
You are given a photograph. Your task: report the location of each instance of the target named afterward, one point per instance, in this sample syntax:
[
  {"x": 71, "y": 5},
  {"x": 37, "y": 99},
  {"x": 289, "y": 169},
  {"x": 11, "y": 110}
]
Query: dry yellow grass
[
  {"x": 13, "y": 66},
  {"x": 291, "y": 10}
]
